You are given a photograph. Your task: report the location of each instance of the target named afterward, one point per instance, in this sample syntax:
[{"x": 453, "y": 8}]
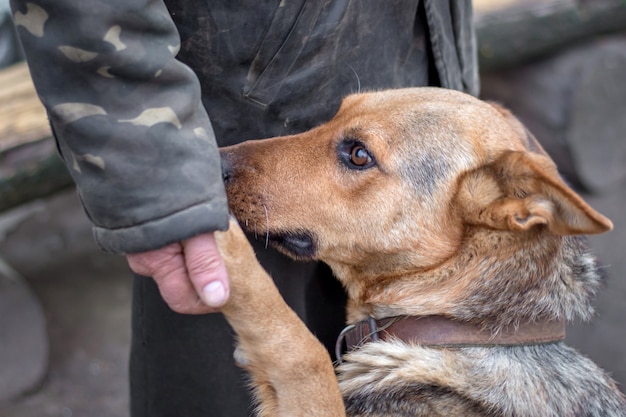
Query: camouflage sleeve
[{"x": 127, "y": 117}]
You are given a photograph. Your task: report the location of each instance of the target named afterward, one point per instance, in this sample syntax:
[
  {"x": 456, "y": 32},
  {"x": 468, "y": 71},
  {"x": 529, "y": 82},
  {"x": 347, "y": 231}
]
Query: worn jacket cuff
[{"x": 202, "y": 218}]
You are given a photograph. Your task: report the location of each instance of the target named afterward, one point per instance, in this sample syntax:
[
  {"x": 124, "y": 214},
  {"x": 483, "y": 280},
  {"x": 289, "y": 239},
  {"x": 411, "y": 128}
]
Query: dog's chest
[{"x": 384, "y": 379}]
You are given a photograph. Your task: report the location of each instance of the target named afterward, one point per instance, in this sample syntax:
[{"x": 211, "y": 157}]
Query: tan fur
[
  {"x": 270, "y": 332},
  {"x": 460, "y": 214}
]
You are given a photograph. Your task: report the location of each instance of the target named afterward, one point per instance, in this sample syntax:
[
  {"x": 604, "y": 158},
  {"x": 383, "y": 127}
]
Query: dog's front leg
[{"x": 292, "y": 374}]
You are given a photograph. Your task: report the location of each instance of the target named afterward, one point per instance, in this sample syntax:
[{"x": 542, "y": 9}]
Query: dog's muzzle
[{"x": 227, "y": 166}]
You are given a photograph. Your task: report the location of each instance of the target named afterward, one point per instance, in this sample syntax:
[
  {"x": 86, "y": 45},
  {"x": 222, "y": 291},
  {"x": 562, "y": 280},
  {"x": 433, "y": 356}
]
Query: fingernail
[{"x": 214, "y": 294}]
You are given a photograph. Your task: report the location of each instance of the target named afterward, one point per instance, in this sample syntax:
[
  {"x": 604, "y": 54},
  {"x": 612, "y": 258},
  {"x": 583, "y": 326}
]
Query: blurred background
[{"x": 560, "y": 65}]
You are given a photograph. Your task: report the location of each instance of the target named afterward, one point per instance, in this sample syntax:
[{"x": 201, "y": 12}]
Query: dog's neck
[{"x": 493, "y": 284}]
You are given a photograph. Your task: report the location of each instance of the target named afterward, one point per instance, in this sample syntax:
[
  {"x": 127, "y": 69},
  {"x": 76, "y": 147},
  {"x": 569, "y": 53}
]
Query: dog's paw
[
  {"x": 237, "y": 252},
  {"x": 233, "y": 242}
]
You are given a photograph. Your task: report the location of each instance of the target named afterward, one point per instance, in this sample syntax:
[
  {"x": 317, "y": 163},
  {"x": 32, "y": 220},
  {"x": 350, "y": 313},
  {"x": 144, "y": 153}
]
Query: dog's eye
[
  {"x": 355, "y": 155},
  {"x": 359, "y": 156}
]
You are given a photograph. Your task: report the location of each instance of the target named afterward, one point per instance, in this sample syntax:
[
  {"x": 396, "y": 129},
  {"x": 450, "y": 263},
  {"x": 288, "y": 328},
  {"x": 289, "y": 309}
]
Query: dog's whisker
[
  {"x": 267, "y": 227},
  {"x": 358, "y": 79}
]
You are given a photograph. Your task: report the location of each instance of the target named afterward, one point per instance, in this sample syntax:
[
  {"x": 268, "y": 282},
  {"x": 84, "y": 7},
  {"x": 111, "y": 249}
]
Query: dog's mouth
[{"x": 300, "y": 245}]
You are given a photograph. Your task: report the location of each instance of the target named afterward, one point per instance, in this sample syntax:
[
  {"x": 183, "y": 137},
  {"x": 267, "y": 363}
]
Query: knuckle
[
  {"x": 160, "y": 261},
  {"x": 202, "y": 255},
  {"x": 176, "y": 295},
  {"x": 180, "y": 308},
  {"x": 203, "y": 262},
  {"x": 137, "y": 264}
]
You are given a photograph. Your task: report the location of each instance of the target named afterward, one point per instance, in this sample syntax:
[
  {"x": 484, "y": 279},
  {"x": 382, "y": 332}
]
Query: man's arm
[
  {"x": 130, "y": 126},
  {"x": 127, "y": 117}
]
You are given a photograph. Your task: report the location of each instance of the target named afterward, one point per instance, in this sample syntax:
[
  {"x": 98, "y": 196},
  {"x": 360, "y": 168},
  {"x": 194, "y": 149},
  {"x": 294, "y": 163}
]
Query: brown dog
[{"x": 456, "y": 241}]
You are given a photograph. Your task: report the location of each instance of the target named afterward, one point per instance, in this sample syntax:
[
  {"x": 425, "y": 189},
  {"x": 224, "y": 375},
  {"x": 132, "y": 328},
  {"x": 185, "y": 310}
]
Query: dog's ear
[{"x": 521, "y": 190}]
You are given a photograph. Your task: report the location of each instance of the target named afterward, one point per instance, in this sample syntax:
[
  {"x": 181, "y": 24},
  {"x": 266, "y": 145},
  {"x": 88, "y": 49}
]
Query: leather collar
[{"x": 445, "y": 332}]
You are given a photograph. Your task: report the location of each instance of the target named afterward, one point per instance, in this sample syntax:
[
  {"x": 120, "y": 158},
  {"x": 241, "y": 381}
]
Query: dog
[{"x": 460, "y": 249}]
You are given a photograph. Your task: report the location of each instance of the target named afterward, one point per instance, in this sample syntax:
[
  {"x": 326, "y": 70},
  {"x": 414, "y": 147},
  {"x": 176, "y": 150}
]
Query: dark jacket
[{"x": 130, "y": 118}]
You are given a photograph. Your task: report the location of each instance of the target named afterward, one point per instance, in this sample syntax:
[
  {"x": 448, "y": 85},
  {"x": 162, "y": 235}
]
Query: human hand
[{"x": 191, "y": 274}]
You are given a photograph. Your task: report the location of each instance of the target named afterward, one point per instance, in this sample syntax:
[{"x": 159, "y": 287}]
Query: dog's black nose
[{"x": 227, "y": 166}]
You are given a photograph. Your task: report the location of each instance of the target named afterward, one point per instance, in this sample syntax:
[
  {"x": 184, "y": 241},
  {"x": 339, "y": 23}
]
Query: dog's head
[{"x": 393, "y": 183}]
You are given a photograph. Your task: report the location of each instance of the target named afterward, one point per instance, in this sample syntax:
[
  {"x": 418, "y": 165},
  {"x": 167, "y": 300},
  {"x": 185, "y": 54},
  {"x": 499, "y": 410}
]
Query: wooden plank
[
  {"x": 517, "y": 31},
  {"x": 31, "y": 171},
  {"x": 30, "y": 167},
  {"x": 22, "y": 116}
]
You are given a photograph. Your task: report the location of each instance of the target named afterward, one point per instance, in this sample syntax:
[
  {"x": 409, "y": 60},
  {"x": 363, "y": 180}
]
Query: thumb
[{"x": 206, "y": 269}]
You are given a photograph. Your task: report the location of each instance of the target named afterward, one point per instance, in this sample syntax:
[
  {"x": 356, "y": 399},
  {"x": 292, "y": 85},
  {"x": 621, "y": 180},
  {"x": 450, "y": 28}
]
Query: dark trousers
[{"x": 182, "y": 365}]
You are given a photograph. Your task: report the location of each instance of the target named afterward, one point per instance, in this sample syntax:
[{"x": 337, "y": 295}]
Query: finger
[
  {"x": 147, "y": 263},
  {"x": 206, "y": 269},
  {"x": 167, "y": 267}
]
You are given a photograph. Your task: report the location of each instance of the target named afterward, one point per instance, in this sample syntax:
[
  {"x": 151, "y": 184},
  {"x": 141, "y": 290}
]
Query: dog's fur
[{"x": 423, "y": 202}]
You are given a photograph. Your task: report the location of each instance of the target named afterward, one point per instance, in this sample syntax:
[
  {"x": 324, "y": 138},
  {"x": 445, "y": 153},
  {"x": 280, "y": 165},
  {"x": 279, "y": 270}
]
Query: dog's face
[{"x": 394, "y": 180}]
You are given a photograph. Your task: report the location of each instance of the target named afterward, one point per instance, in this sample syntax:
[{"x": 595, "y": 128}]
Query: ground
[{"x": 85, "y": 295}]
